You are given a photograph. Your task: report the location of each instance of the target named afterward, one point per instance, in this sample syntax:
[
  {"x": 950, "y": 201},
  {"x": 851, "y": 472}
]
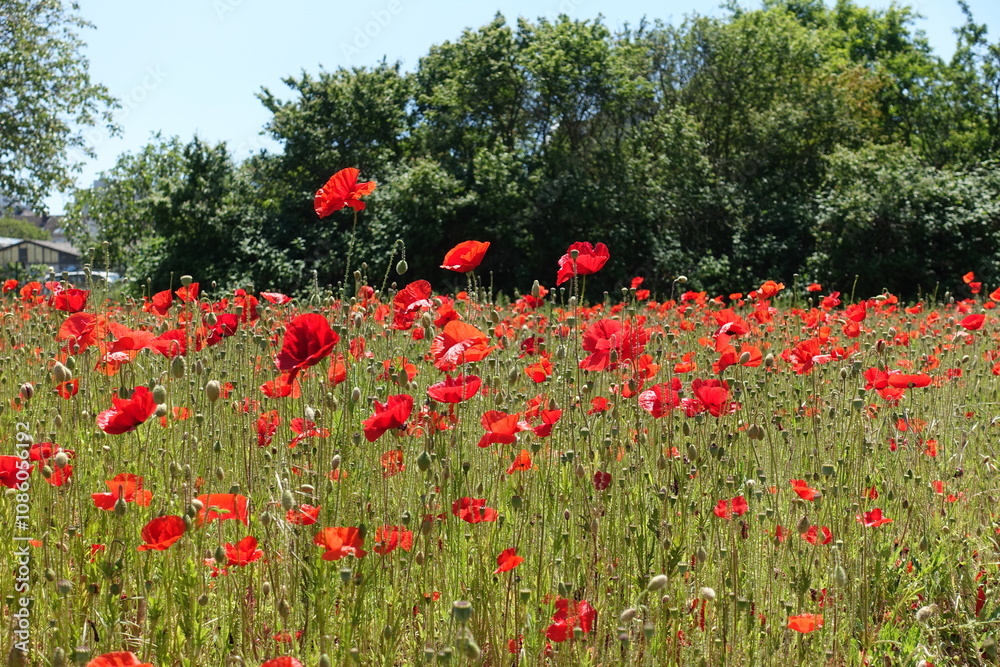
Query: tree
[
  {"x": 22, "y": 229},
  {"x": 46, "y": 97}
]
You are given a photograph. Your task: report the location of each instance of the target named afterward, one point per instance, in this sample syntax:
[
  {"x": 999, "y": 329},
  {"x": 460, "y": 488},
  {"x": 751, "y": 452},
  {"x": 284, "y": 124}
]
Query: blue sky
[{"x": 193, "y": 66}]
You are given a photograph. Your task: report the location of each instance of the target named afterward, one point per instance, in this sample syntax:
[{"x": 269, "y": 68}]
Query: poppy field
[{"x": 401, "y": 476}]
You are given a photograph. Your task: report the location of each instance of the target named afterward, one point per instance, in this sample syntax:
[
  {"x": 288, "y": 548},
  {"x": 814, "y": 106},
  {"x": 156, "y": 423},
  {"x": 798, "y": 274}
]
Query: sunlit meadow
[{"x": 399, "y": 476}]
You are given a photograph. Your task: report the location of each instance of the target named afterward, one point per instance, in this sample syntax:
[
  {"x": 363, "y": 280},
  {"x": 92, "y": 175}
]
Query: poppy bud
[
  {"x": 401, "y": 267},
  {"x": 628, "y": 616},
  {"x": 769, "y": 361},
  {"x": 419, "y": 558},
  {"x": 220, "y": 474},
  {"x": 266, "y": 519},
  {"x": 701, "y": 554},
  {"x": 287, "y": 500},
  {"x": 657, "y": 583},
  {"x": 284, "y": 609},
  {"x": 213, "y": 390},
  {"x": 160, "y": 393},
  {"x": 220, "y": 555},
  {"x": 682, "y": 279},
  {"x": 595, "y": 526},
  {"x": 707, "y": 593},
  {"x": 424, "y": 461},
  {"x": 803, "y": 526},
  {"x": 266, "y": 588},
  {"x": 27, "y": 391},
  {"x": 59, "y": 658},
  {"x": 64, "y": 586},
  {"x": 840, "y": 576},
  {"x": 120, "y": 506},
  {"x": 60, "y": 373},
  {"x": 57, "y": 421},
  {"x": 61, "y": 460},
  {"x": 324, "y": 661},
  {"x": 177, "y": 367},
  {"x": 536, "y": 289},
  {"x": 355, "y": 394}
]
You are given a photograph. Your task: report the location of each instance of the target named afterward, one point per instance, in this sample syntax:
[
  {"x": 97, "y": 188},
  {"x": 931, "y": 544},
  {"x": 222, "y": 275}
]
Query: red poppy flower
[
  {"x": 162, "y": 532},
  {"x": 128, "y": 413},
  {"x": 277, "y": 298},
  {"x": 243, "y": 552},
  {"x": 805, "y": 622},
  {"x": 602, "y": 480},
  {"x": 282, "y": 662},
  {"x": 408, "y": 302},
  {"x": 873, "y": 519},
  {"x": 267, "y": 426},
  {"x": 466, "y": 256},
  {"x": 501, "y": 428},
  {"x": 223, "y": 506},
  {"x": 68, "y": 389},
  {"x": 766, "y": 291},
  {"x": 540, "y": 371},
  {"x": 973, "y": 322},
  {"x": 282, "y": 386},
  {"x": 342, "y": 190},
  {"x": 126, "y": 485},
  {"x": 661, "y": 398},
  {"x": 521, "y": 462},
  {"x": 71, "y": 300},
  {"x": 118, "y": 659},
  {"x": 508, "y": 560},
  {"x": 812, "y": 536},
  {"x": 570, "y": 614},
  {"x": 389, "y": 415},
  {"x": 709, "y": 396},
  {"x": 459, "y": 343},
  {"x": 589, "y": 259},
  {"x": 170, "y": 343},
  {"x": 188, "y": 293},
  {"x": 612, "y": 343},
  {"x": 473, "y": 510},
  {"x": 10, "y": 466},
  {"x": 308, "y": 339},
  {"x": 905, "y": 381},
  {"x": 392, "y": 463},
  {"x": 340, "y": 542},
  {"x": 304, "y": 515},
  {"x": 725, "y": 509},
  {"x": 388, "y": 538},
  {"x": 160, "y": 303},
  {"x": 455, "y": 390},
  {"x": 804, "y": 491},
  {"x": 549, "y": 419},
  {"x": 80, "y": 331}
]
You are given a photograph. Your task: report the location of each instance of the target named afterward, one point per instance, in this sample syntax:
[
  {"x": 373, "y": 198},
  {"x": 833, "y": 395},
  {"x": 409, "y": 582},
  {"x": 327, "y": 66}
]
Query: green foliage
[
  {"x": 22, "y": 229},
  {"x": 701, "y": 149},
  {"x": 898, "y": 223},
  {"x": 46, "y": 96}
]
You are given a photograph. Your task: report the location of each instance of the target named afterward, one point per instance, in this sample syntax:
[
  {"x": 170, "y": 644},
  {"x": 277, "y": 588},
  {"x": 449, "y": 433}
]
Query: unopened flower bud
[{"x": 657, "y": 583}]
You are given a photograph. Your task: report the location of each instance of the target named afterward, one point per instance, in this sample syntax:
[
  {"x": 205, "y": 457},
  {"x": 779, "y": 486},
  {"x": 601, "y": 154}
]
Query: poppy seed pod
[
  {"x": 462, "y": 611},
  {"x": 213, "y": 390}
]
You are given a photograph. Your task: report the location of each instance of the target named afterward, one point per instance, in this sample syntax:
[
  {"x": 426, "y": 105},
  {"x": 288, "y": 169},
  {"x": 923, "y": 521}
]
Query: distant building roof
[{"x": 6, "y": 242}]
